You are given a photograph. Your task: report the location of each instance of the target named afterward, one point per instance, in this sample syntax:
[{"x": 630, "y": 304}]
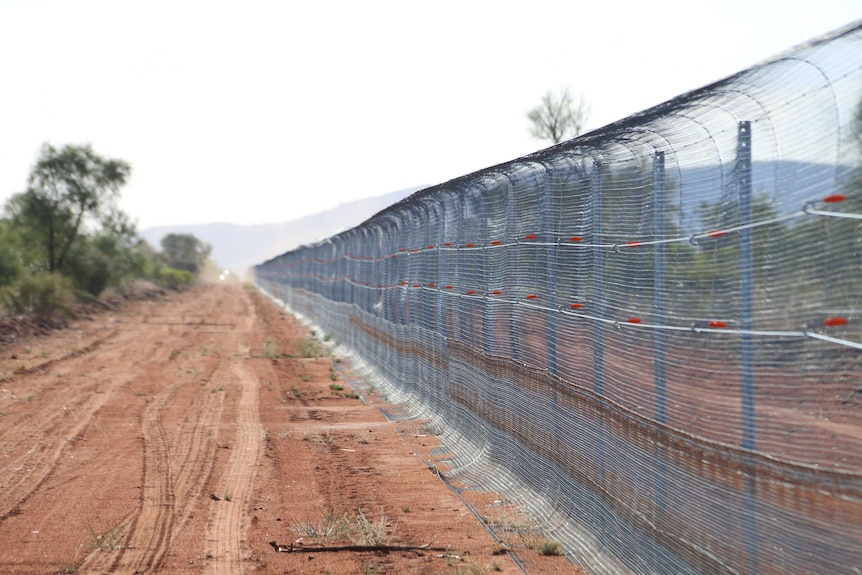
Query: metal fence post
[
  {"x": 549, "y": 212},
  {"x": 658, "y": 286},
  {"x": 485, "y": 305},
  {"x": 460, "y": 270},
  {"x": 442, "y": 265},
  {"x": 746, "y": 317},
  {"x": 746, "y": 284},
  {"x": 659, "y": 312},
  {"x": 598, "y": 280},
  {"x": 598, "y": 303}
]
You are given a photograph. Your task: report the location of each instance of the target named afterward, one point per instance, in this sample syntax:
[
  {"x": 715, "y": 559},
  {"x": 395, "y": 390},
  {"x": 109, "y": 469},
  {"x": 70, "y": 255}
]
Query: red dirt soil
[{"x": 201, "y": 432}]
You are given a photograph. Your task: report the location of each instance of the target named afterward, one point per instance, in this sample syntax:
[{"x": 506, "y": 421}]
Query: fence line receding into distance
[{"x": 654, "y": 329}]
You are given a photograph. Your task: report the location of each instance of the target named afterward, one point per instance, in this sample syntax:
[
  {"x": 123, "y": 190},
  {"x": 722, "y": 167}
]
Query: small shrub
[
  {"x": 173, "y": 279},
  {"x": 310, "y": 348},
  {"x": 45, "y": 295},
  {"x": 366, "y": 532},
  {"x": 548, "y": 547},
  {"x": 334, "y": 526},
  {"x": 270, "y": 349},
  {"x": 89, "y": 269},
  {"x": 11, "y": 266}
]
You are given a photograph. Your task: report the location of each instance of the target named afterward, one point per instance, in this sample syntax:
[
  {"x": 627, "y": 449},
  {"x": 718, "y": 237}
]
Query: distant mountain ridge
[{"x": 238, "y": 247}]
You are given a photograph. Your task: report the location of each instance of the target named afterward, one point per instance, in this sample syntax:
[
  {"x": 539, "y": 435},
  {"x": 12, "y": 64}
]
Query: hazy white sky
[{"x": 263, "y": 111}]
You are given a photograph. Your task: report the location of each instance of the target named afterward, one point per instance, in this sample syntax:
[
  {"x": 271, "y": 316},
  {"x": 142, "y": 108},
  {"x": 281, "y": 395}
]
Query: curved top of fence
[{"x": 805, "y": 100}]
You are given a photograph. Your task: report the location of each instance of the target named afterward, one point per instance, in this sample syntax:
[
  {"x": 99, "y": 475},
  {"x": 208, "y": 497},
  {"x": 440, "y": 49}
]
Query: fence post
[
  {"x": 429, "y": 299},
  {"x": 598, "y": 303},
  {"x": 549, "y": 212},
  {"x": 464, "y": 309},
  {"x": 746, "y": 317},
  {"x": 442, "y": 266},
  {"x": 515, "y": 317},
  {"x": 659, "y": 312},
  {"x": 485, "y": 304},
  {"x": 658, "y": 286},
  {"x": 598, "y": 280},
  {"x": 746, "y": 287}
]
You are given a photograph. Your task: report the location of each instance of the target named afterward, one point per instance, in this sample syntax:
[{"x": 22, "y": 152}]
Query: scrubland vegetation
[{"x": 64, "y": 239}]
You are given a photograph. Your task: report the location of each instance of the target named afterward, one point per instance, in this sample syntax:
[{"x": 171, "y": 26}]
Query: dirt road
[{"x": 207, "y": 432}]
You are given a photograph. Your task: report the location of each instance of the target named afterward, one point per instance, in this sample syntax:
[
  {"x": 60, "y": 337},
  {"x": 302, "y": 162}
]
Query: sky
[{"x": 259, "y": 111}]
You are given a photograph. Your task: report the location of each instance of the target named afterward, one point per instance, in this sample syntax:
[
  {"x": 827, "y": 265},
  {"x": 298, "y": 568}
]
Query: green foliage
[
  {"x": 67, "y": 221},
  {"x": 65, "y": 233},
  {"x": 43, "y": 294},
  {"x": 310, "y": 348},
  {"x": 173, "y": 278},
  {"x": 88, "y": 267},
  {"x": 67, "y": 188},
  {"x": 10, "y": 256},
  {"x": 549, "y": 547},
  {"x": 185, "y": 252},
  {"x": 118, "y": 241},
  {"x": 109, "y": 258},
  {"x": 270, "y": 349},
  {"x": 166, "y": 276}
]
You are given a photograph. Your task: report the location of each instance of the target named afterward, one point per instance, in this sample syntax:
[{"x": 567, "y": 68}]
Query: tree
[
  {"x": 10, "y": 256},
  {"x": 558, "y": 117},
  {"x": 185, "y": 252},
  {"x": 66, "y": 187}
]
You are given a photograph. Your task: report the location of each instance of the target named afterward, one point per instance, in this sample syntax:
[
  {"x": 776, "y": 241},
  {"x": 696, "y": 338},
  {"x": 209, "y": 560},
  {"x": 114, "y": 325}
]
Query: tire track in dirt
[
  {"x": 77, "y": 351},
  {"x": 47, "y": 436},
  {"x": 149, "y": 534},
  {"x": 225, "y": 529},
  {"x": 178, "y": 460},
  {"x": 45, "y": 431},
  {"x": 174, "y": 477}
]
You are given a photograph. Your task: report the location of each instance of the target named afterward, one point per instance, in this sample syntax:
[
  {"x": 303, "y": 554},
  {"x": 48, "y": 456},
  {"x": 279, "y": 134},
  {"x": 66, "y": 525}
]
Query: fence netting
[{"x": 654, "y": 329}]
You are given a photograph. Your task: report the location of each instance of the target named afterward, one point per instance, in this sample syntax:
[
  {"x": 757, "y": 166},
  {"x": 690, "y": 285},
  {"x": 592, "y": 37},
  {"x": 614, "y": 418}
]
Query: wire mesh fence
[{"x": 655, "y": 328}]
